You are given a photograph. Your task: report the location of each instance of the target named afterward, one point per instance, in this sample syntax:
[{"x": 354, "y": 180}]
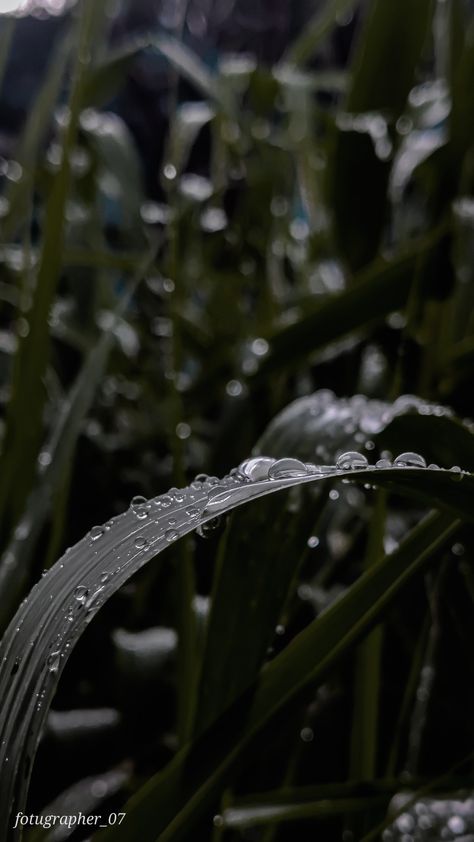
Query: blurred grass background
[{"x": 208, "y": 210}]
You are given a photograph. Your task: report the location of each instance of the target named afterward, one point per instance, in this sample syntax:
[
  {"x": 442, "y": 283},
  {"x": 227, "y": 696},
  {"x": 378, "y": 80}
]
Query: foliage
[{"x": 311, "y": 239}]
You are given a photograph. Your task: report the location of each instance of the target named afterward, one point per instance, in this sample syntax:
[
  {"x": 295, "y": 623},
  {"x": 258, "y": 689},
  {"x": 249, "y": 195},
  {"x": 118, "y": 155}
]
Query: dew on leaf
[
  {"x": 351, "y": 461},
  {"x": 257, "y": 468},
  {"x": 283, "y": 468},
  {"x": 409, "y": 460},
  {"x": 96, "y": 533}
]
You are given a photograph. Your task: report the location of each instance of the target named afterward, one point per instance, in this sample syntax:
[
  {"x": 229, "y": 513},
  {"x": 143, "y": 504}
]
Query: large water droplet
[
  {"x": 96, "y": 533},
  {"x": 256, "y": 468},
  {"x": 206, "y": 529},
  {"x": 456, "y": 473},
  {"x": 53, "y": 661},
  {"x": 409, "y": 460},
  {"x": 351, "y": 461},
  {"x": 140, "y": 542},
  {"x": 80, "y": 593},
  {"x": 138, "y": 500},
  {"x": 171, "y": 535},
  {"x": 284, "y": 468},
  {"x": 140, "y": 506}
]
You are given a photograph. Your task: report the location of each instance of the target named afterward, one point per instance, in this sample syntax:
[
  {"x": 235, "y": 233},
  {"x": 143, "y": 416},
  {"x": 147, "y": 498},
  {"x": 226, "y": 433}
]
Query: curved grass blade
[{"x": 47, "y": 625}]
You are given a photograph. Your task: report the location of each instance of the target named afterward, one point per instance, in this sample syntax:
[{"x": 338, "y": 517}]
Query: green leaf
[
  {"x": 376, "y": 292},
  {"x": 189, "y": 119},
  {"x": 383, "y": 71}
]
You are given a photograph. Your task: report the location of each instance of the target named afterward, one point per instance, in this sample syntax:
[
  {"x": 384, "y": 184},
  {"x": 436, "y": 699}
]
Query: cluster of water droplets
[
  {"x": 432, "y": 820},
  {"x": 260, "y": 472}
]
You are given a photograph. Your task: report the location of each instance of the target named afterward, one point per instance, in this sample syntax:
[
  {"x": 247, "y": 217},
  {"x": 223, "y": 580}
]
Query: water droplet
[
  {"x": 456, "y": 473},
  {"x": 80, "y": 593},
  {"x": 333, "y": 494},
  {"x": 105, "y": 576},
  {"x": 92, "y": 600},
  {"x": 171, "y": 535},
  {"x": 351, "y": 461},
  {"x": 307, "y": 735},
  {"x": 256, "y": 468},
  {"x": 457, "y": 549},
  {"x": 409, "y": 460},
  {"x": 234, "y": 388},
  {"x": 96, "y": 533},
  {"x": 205, "y": 529},
  {"x": 183, "y": 430},
  {"x": 140, "y": 506},
  {"x": 169, "y": 172},
  {"x": 140, "y": 542},
  {"x": 53, "y": 661},
  {"x": 138, "y": 500},
  {"x": 405, "y": 823},
  {"x": 456, "y": 824},
  {"x": 280, "y": 630},
  {"x": 383, "y": 463},
  {"x": 192, "y": 513},
  {"x": 260, "y": 347},
  {"x": 218, "y": 821},
  {"x": 313, "y": 541},
  {"x": 283, "y": 468}
]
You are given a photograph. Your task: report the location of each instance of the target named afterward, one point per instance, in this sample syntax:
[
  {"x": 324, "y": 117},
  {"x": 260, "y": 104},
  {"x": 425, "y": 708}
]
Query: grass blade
[
  {"x": 384, "y": 67},
  {"x": 40, "y": 637},
  {"x": 315, "y": 31}
]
